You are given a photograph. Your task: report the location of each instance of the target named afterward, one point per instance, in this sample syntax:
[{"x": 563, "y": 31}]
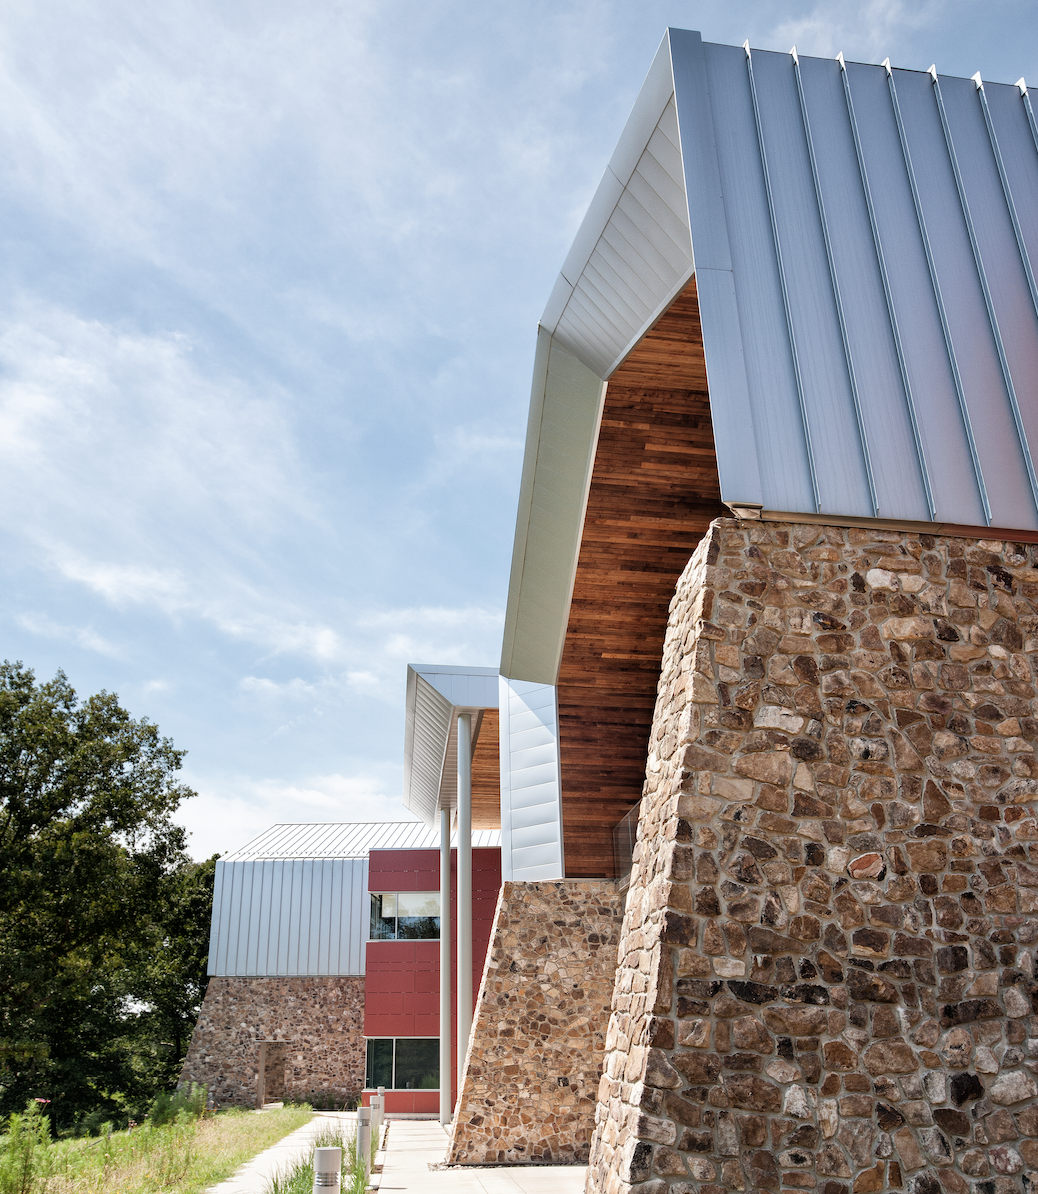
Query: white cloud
[
  {"x": 294, "y": 690},
  {"x": 83, "y": 636},
  {"x": 869, "y": 30},
  {"x": 131, "y": 422},
  {"x": 377, "y": 648},
  {"x": 229, "y": 812}
]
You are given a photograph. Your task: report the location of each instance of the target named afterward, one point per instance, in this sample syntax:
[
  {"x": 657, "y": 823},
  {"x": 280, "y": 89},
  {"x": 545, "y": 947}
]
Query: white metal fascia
[
  {"x": 652, "y": 99},
  {"x": 584, "y": 334},
  {"x": 531, "y": 784},
  {"x": 436, "y": 695},
  {"x": 561, "y": 438}
]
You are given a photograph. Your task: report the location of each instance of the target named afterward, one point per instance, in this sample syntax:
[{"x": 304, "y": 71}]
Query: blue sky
[{"x": 271, "y": 276}]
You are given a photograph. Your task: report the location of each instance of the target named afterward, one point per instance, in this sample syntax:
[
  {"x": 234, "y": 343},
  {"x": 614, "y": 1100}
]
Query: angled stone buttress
[{"x": 827, "y": 958}]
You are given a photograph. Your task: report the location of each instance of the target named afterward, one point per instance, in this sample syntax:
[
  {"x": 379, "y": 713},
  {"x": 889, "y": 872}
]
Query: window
[
  {"x": 405, "y": 916},
  {"x": 406, "y": 1063}
]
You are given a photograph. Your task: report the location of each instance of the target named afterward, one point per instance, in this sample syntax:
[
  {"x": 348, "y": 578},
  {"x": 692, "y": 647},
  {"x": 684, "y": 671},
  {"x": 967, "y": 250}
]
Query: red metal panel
[
  {"x": 404, "y": 870},
  {"x": 402, "y": 984},
  {"x": 403, "y": 1102}
]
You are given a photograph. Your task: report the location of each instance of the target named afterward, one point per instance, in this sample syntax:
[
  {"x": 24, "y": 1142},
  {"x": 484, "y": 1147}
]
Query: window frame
[
  {"x": 396, "y": 918},
  {"x": 396, "y": 1039}
]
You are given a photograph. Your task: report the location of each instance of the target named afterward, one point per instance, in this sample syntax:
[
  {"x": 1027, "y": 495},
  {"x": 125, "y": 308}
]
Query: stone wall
[
  {"x": 827, "y": 957},
  {"x": 320, "y": 1019},
  {"x": 529, "y": 1086}
]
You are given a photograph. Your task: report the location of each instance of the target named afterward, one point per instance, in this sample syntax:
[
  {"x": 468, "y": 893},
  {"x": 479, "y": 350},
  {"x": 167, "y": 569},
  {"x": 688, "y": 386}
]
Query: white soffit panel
[
  {"x": 531, "y": 805},
  {"x": 436, "y": 694}
]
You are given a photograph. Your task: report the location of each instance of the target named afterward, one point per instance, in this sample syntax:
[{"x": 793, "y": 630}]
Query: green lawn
[{"x": 182, "y": 1158}]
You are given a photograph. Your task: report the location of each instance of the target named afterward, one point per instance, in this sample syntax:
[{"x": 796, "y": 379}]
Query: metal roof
[
  {"x": 436, "y": 694},
  {"x": 864, "y": 241},
  {"x": 289, "y": 916},
  {"x": 331, "y": 840}
]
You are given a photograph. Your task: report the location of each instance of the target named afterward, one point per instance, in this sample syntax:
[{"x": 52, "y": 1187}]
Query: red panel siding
[
  {"x": 402, "y": 980},
  {"x": 414, "y": 1102}
]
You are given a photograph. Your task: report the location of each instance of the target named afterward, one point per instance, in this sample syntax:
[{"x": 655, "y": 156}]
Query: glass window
[
  {"x": 417, "y": 1063},
  {"x": 406, "y": 1063},
  {"x": 380, "y": 1064},
  {"x": 383, "y": 918},
  {"x": 405, "y": 916}
]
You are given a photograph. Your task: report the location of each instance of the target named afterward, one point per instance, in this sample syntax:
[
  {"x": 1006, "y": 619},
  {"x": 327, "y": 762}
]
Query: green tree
[
  {"x": 169, "y": 976},
  {"x": 95, "y": 886}
]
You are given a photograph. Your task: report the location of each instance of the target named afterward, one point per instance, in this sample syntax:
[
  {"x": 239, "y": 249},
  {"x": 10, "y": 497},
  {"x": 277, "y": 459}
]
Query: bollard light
[
  {"x": 364, "y": 1138},
  {"x": 327, "y": 1168},
  {"x": 376, "y": 1119}
]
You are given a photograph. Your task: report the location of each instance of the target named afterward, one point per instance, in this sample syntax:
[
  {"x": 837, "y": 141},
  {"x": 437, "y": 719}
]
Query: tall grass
[
  {"x": 300, "y": 1178},
  {"x": 25, "y": 1152},
  {"x": 184, "y": 1156}
]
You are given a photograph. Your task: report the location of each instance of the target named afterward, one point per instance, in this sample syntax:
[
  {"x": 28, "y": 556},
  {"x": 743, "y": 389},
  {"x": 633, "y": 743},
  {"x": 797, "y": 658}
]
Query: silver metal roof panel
[
  {"x": 864, "y": 242},
  {"x": 333, "y": 840},
  {"x": 883, "y": 333}
]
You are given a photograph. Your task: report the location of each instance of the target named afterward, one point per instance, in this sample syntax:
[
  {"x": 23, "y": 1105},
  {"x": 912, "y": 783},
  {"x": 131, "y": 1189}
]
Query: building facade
[
  {"x": 773, "y": 603},
  {"x": 324, "y": 966}
]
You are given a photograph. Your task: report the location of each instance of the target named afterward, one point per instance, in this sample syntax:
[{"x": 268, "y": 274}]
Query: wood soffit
[
  {"x": 654, "y": 491},
  {"x": 486, "y": 774}
]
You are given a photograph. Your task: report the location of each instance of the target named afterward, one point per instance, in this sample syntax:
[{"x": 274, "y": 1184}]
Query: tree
[
  {"x": 170, "y": 974},
  {"x": 98, "y": 900}
]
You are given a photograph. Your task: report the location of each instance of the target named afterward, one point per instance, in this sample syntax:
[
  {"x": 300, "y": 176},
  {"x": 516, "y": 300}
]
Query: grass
[
  {"x": 300, "y": 1178},
  {"x": 183, "y": 1157}
]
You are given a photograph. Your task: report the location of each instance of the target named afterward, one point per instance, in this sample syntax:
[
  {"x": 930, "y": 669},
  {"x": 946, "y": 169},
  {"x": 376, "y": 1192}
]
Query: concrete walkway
[
  {"x": 412, "y": 1145},
  {"x": 254, "y": 1176}
]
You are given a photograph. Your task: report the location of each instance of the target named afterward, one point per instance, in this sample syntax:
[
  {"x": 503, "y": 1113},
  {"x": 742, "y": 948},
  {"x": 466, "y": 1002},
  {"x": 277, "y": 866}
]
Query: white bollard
[
  {"x": 376, "y": 1119},
  {"x": 364, "y": 1137},
  {"x": 381, "y": 1111},
  {"x": 327, "y": 1168}
]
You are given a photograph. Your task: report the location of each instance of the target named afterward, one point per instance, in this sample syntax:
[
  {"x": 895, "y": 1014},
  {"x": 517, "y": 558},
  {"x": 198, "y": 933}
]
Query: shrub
[
  {"x": 187, "y": 1102},
  {"x": 324, "y": 1100}
]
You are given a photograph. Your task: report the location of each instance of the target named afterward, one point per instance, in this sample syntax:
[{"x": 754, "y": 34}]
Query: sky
[{"x": 270, "y": 277}]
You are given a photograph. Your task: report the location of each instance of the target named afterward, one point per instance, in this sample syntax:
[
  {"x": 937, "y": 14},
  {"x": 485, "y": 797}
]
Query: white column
[
  {"x": 464, "y": 888},
  {"x": 445, "y": 966}
]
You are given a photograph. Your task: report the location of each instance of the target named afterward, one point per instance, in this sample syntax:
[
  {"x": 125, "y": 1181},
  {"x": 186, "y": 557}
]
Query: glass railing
[{"x": 625, "y": 833}]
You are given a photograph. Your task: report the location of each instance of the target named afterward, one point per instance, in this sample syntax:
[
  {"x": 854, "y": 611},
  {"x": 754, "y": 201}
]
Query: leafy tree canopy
[{"x": 103, "y": 919}]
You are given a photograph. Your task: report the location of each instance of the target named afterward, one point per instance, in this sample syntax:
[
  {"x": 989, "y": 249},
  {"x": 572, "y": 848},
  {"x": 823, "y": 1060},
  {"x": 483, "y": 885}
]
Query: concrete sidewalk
[
  {"x": 413, "y": 1145},
  {"x": 254, "y": 1176}
]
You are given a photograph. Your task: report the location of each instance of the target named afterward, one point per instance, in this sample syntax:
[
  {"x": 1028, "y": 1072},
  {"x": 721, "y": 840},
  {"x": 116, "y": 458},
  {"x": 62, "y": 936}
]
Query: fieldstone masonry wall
[
  {"x": 321, "y": 1021},
  {"x": 529, "y": 1088},
  {"x": 827, "y": 958}
]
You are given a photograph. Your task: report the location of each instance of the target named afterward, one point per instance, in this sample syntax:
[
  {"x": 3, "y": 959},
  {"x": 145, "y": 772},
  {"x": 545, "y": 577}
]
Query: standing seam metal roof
[
  {"x": 331, "y": 841},
  {"x": 863, "y": 241}
]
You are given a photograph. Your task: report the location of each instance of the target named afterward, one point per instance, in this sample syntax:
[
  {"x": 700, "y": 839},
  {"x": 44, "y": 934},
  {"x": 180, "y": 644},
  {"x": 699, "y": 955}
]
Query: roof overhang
[
  {"x": 436, "y": 695},
  {"x": 862, "y": 241}
]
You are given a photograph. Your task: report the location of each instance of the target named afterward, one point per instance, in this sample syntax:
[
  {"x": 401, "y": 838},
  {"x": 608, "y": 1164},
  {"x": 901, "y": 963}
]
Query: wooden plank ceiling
[
  {"x": 654, "y": 491},
  {"x": 486, "y": 774}
]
